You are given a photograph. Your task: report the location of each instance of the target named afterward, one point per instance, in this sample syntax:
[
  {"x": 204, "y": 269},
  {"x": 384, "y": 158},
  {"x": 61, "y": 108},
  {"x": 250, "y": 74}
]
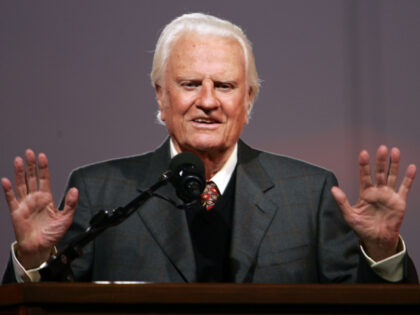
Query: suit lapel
[
  {"x": 253, "y": 212},
  {"x": 167, "y": 224}
]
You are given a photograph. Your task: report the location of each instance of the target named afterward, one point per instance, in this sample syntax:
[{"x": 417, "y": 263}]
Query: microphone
[{"x": 187, "y": 176}]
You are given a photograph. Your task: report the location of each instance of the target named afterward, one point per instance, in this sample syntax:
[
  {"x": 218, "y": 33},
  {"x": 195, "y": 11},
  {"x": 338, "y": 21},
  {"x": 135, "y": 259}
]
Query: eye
[
  {"x": 190, "y": 85},
  {"x": 224, "y": 86}
]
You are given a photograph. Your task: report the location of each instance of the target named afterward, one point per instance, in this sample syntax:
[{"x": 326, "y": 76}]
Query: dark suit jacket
[{"x": 287, "y": 227}]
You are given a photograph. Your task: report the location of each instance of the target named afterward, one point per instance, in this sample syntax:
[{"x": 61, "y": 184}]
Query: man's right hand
[{"x": 37, "y": 223}]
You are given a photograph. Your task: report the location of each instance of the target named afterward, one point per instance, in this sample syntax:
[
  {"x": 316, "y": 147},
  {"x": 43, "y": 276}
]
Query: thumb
[
  {"x": 70, "y": 201},
  {"x": 342, "y": 201}
]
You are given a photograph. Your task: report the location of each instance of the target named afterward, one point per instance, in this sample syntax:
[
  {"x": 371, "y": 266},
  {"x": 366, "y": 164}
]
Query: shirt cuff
[
  {"x": 21, "y": 274},
  {"x": 390, "y": 268}
]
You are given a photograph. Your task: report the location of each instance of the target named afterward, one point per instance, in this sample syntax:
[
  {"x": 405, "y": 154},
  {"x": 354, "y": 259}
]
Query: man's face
[{"x": 204, "y": 97}]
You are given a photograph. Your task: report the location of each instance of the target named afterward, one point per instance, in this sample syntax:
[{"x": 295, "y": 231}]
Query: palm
[
  {"x": 377, "y": 216},
  {"x": 38, "y": 224}
]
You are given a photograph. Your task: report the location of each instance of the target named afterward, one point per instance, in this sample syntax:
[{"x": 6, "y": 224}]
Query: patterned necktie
[{"x": 209, "y": 196}]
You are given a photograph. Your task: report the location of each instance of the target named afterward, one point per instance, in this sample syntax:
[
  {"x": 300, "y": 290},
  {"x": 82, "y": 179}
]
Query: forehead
[{"x": 206, "y": 55}]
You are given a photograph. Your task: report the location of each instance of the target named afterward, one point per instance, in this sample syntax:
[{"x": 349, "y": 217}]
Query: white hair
[{"x": 203, "y": 24}]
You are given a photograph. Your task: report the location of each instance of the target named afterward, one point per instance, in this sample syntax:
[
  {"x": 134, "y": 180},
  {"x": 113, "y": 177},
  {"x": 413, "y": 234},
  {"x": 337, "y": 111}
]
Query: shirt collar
[{"x": 222, "y": 177}]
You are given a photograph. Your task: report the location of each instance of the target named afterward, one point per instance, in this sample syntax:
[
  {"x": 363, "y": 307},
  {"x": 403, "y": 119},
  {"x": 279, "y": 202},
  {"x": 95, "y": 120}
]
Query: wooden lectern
[{"x": 156, "y": 298}]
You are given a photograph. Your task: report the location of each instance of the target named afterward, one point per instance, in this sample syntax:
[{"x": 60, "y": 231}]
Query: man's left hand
[{"x": 377, "y": 216}]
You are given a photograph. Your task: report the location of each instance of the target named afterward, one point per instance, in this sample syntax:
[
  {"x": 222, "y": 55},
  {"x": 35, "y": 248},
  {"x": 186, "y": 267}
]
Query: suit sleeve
[{"x": 81, "y": 266}]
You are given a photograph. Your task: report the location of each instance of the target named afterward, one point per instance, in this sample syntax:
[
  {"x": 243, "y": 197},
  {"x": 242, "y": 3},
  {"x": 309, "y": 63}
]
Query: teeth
[{"x": 204, "y": 121}]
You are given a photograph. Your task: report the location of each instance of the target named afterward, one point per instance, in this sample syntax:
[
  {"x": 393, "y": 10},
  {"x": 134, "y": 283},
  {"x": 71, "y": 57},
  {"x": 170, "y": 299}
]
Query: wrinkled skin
[
  {"x": 37, "y": 223},
  {"x": 378, "y": 214}
]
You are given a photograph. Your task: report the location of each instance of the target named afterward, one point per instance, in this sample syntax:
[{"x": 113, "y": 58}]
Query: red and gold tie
[{"x": 209, "y": 196}]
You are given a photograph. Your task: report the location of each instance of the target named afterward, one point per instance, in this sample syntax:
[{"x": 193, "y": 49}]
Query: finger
[
  {"x": 394, "y": 163},
  {"x": 380, "y": 165},
  {"x": 342, "y": 201},
  {"x": 364, "y": 171},
  {"x": 70, "y": 201},
  {"x": 43, "y": 173},
  {"x": 31, "y": 177},
  {"x": 407, "y": 182},
  {"x": 20, "y": 181},
  {"x": 9, "y": 194}
]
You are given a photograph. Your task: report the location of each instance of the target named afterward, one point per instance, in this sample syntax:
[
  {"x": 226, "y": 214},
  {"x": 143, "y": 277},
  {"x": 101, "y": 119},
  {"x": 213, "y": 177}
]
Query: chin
[{"x": 208, "y": 145}]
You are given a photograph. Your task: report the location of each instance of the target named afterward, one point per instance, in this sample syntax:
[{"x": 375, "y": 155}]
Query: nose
[{"x": 208, "y": 99}]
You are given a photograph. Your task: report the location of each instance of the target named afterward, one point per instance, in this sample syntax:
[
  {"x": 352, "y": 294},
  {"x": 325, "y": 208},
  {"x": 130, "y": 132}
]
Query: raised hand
[
  {"x": 37, "y": 223},
  {"x": 378, "y": 214}
]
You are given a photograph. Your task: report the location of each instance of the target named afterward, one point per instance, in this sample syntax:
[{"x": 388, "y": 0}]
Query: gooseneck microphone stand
[{"x": 57, "y": 268}]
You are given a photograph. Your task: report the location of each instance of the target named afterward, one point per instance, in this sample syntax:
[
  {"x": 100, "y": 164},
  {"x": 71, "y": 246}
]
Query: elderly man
[{"x": 271, "y": 218}]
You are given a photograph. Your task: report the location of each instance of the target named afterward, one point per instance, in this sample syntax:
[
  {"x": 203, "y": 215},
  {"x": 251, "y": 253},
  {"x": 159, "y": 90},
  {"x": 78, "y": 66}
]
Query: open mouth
[{"x": 205, "y": 121}]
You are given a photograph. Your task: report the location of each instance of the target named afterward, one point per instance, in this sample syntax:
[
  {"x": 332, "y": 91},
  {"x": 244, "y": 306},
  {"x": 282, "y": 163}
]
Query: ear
[
  {"x": 248, "y": 102},
  {"x": 160, "y": 100},
  {"x": 246, "y": 117},
  {"x": 249, "y": 96}
]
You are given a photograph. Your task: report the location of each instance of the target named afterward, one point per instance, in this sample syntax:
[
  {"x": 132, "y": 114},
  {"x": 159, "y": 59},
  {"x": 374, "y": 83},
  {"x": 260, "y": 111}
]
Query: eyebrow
[{"x": 192, "y": 79}]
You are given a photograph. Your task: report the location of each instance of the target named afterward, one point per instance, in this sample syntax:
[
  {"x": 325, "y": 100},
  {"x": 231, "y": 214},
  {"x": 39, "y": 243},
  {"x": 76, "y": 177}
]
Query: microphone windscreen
[
  {"x": 187, "y": 158},
  {"x": 188, "y": 176}
]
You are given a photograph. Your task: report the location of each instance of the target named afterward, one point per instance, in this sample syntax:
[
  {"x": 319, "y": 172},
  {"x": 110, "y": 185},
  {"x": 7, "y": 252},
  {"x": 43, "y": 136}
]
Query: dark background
[{"x": 338, "y": 77}]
